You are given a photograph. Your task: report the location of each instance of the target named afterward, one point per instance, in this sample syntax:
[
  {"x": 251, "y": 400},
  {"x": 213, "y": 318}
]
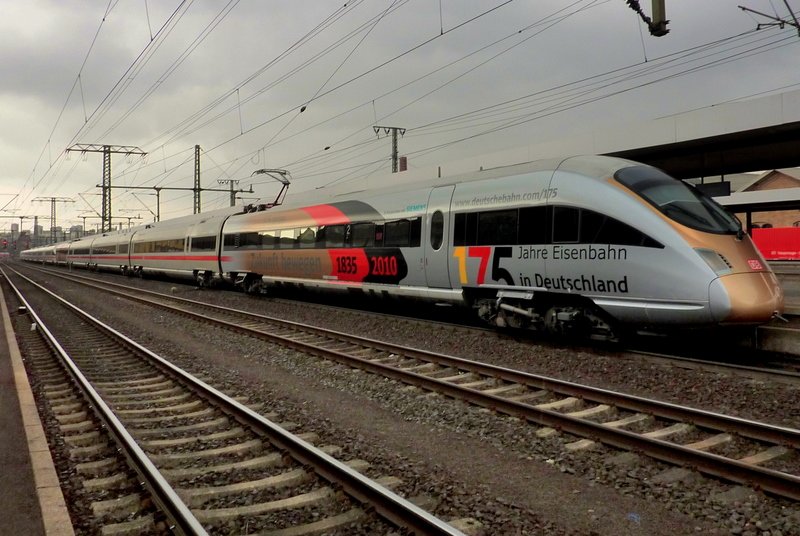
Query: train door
[{"x": 436, "y": 237}]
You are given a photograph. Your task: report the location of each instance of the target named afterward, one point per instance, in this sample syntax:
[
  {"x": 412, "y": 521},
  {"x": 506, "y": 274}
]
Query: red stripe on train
[
  {"x": 326, "y": 214},
  {"x": 148, "y": 258}
]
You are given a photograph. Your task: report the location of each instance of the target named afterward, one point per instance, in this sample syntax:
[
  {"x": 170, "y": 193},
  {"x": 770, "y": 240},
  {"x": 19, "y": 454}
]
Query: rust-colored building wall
[{"x": 774, "y": 180}]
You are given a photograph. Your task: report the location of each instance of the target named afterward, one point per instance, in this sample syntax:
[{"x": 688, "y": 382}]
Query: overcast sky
[{"x": 463, "y": 77}]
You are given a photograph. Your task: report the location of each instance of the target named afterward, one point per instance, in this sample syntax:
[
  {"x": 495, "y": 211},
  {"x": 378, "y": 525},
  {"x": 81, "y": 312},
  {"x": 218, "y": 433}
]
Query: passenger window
[
  {"x": 437, "y": 230},
  {"x": 288, "y": 238},
  {"x": 204, "y": 243},
  {"x": 533, "y": 225},
  {"x": 229, "y": 241},
  {"x": 460, "y": 230},
  {"x": 266, "y": 239},
  {"x": 334, "y": 236},
  {"x": 362, "y": 235},
  {"x": 307, "y": 238},
  {"x": 471, "y": 235},
  {"x": 497, "y": 227},
  {"x": 348, "y": 235},
  {"x": 396, "y": 233},
  {"x": 415, "y": 232},
  {"x": 566, "y": 224}
]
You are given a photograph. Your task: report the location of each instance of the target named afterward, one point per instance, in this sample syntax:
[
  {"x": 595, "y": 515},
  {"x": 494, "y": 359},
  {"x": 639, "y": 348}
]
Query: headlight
[{"x": 715, "y": 261}]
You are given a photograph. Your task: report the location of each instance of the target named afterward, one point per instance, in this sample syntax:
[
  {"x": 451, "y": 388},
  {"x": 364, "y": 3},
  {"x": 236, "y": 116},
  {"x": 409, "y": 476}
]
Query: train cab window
[
  {"x": 678, "y": 201},
  {"x": 307, "y": 237},
  {"x": 362, "y": 235},
  {"x": 598, "y": 228},
  {"x": 203, "y": 243},
  {"x": 533, "y": 225},
  {"x": 566, "y": 225},
  {"x": 437, "y": 230}
]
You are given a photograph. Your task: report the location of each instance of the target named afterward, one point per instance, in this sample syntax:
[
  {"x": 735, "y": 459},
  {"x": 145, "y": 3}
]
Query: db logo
[{"x": 755, "y": 264}]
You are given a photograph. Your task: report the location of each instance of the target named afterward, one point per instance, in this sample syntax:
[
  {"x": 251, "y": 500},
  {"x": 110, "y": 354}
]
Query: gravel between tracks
[{"x": 464, "y": 459}]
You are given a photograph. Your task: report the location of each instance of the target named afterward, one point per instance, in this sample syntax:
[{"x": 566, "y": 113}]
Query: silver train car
[{"x": 581, "y": 245}]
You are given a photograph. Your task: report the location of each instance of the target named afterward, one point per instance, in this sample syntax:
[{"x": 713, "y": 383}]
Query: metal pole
[
  {"x": 394, "y": 131},
  {"x": 197, "y": 179}
]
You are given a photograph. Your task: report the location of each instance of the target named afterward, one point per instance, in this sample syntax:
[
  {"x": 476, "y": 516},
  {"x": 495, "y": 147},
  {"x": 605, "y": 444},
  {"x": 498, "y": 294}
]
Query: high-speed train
[{"x": 581, "y": 245}]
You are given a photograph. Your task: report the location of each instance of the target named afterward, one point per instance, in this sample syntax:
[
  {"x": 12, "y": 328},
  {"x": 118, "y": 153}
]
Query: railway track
[
  {"x": 157, "y": 450},
  {"x": 737, "y": 450},
  {"x": 779, "y": 367}
]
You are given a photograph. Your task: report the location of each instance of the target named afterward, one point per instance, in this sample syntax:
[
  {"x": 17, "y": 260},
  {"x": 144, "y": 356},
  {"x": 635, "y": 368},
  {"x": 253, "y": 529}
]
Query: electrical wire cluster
[{"x": 332, "y": 53}]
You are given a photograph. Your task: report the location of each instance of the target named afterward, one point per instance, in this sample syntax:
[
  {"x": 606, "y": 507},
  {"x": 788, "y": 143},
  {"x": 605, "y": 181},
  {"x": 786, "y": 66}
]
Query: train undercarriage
[
  {"x": 547, "y": 313},
  {"x": 571, "y": 316}
]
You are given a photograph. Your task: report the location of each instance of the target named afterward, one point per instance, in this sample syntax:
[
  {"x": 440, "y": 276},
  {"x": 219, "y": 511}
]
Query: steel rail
[
  {"x": 771, "y": 481},
  {"x": 782, "y": 484},
  {"x": 385, "y": 502},
  {"x": 184, "y": 522},
  {"x": 744, "y": 427}
]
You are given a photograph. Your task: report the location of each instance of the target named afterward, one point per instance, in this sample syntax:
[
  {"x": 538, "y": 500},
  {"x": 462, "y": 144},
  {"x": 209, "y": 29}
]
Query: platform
[
  {"x": 31, "y": 501},
  {"x": 788, "y": 273}
]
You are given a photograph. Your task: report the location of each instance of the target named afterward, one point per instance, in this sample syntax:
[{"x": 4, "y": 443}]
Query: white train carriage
[
  {"x": 352, "y": 244},
  {"x": 567, "y": 245},
  {"x": 80, "y": 253},
  {"x": 41, "y": 254},
  {"x": 183, "y": 247},
  {"x": 108, "y": 251}
]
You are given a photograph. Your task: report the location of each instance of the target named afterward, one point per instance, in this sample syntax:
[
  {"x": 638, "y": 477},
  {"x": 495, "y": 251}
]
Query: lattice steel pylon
[
  {"x": 53, "y": 201},
  {"x": 107, "y": 150}
]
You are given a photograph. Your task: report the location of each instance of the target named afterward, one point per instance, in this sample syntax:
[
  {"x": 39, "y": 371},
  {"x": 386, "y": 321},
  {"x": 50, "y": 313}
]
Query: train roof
[{"x": 599, "y": 167}]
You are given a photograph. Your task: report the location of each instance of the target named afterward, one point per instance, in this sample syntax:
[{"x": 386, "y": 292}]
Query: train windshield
[{"x": 679, "y": 201}]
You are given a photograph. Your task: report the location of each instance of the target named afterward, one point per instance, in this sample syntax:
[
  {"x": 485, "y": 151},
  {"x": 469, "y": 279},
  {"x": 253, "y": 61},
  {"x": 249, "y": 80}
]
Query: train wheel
[
  {"x": 253, "y": 284},
  {"x": 203, "y": 278}
]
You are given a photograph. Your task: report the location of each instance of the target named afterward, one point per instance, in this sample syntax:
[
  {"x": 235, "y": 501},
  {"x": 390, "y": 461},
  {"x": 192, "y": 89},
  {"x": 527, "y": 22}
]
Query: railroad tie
[
  {"x": 710, "y": 442},
  {"x": 766, "y": 455}
]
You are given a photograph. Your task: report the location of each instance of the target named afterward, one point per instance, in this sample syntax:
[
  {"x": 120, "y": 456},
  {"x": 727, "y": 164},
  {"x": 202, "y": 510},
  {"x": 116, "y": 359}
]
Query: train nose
[{"x": 750, "y": 297}]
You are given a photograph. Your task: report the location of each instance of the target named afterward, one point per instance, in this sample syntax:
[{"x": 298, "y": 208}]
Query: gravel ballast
[{"x": 465, "y": 460}]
